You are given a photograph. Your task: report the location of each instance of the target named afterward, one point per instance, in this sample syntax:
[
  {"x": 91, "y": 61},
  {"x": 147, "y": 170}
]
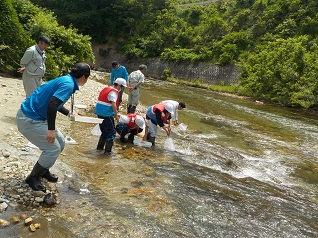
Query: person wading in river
[
  {"x": 36, "y": 121},
  {"x": 158, "y": 114},
  {"x": 106, "y": 108},
  {"x": 176, "y": 106}
]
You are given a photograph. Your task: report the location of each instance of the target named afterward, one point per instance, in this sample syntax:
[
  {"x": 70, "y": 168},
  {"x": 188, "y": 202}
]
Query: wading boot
[
  {"x": 132, "y": 109},
  {"x": 128, "y": 109},
  {"x": 34, "y": 178},
  {"x": 122, "y": 139},
  {"x": 108, "y": 147},
  {"x": 152, "y": 140},
  {"x": 50, "y": 177},
  {"x": 131, "y": 138},
  {"x": 101, "y": 143}
]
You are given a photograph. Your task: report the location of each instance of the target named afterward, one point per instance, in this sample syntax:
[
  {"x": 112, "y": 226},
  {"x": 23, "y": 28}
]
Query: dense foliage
[
  {"x": 274, "y": 42},
  {"x": 22, "y": 23}
]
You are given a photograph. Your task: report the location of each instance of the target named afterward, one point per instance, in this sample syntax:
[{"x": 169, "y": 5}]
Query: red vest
[
  {"x": 103, "y": 95},
  {"x": 131, "y": 123},
  {"x": 161, "y": 108}
]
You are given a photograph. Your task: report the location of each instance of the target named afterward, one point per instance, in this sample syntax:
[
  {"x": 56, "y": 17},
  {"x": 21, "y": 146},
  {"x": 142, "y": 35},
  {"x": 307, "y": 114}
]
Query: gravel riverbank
[{"x": 17, "y": 157}]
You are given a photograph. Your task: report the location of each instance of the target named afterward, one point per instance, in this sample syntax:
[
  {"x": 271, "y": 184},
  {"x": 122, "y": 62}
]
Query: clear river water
[{"x": 241, "y": 169}]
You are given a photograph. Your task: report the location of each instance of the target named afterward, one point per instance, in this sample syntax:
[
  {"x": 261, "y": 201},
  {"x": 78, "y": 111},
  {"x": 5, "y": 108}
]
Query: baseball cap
[
  {"x": 140, "y": 122},
  {"x": 169, "y": 107},
  {"x": 121, "y": 81}
]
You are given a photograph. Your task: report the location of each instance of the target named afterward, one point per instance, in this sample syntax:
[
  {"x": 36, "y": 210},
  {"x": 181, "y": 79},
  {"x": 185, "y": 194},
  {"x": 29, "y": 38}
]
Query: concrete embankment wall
[{"x": 204, "y": 72}]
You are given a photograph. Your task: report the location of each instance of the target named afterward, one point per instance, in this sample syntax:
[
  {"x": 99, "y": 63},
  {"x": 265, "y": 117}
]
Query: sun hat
[
  {"x": 140, "y": 122},
  {"x": 121, "y": 81},
  {"x": 169, "y": 107}
]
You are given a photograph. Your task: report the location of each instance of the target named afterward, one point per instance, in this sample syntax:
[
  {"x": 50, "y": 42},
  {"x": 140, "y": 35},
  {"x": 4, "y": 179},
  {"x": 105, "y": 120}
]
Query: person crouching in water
[
  {"x": 158, "y": 114},
  {"x": 107, "y": 108},
  {"x": 131, "y": 124},
  {"x": 36, "y": 121}
]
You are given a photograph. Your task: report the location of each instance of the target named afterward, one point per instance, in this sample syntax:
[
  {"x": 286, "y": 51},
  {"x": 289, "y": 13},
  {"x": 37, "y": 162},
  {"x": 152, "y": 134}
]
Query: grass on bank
[{"x": 198, "y": 84}]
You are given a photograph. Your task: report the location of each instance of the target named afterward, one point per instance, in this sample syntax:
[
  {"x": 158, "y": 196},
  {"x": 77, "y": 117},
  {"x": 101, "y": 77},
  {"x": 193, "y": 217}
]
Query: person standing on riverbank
[
  {"x": 176, "y": 107},
  {"x": 106, "y": 108},
  {"x": 37, "y": 116},
  {"x": 131, "y": 124},
  {"x": 135, "y": 79},
  {"x": 118, "y": 71},
  {"x": 158, "y": 114},
  {"x": 33, "y": 65}
]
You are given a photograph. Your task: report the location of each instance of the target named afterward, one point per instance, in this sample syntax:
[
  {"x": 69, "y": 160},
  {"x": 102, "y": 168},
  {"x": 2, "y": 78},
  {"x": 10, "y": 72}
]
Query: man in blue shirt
[
  {"x": 118, "y": 71},
  {"x": 36, "y": 120}
]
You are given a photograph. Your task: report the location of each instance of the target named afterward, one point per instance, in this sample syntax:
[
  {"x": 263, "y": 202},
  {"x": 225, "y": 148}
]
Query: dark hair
[
  {"x": 80, "y": 69},
  {"x": 114, "y": 63},
  {"x": 45, "y": 39},
  {"x": 142, "y": 67},
  {"x": 182, "y": 104}
]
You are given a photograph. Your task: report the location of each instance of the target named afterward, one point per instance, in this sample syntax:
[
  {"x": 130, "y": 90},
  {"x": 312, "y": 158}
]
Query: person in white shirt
[
  {"x": 176, "y": 106},
  {"x": 131, "y": 124}
]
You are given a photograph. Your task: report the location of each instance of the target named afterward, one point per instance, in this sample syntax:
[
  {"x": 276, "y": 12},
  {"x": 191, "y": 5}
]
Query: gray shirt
[{"x": 34, "y": 61}]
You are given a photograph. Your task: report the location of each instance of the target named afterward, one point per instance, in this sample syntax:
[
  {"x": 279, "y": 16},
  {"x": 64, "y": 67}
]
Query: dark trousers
[
  {"x": 122, "y": 129},
  {"x": 107, "y": 128}
]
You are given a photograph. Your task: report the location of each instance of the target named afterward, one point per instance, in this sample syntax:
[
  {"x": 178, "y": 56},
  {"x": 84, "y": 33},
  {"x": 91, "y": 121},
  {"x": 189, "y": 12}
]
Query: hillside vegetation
[
  {"x": 21, "y": 23},
  {"x": 274, "y": 42}
]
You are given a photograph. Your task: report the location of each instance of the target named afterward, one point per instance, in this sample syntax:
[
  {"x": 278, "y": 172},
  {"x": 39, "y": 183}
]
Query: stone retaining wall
[{"x": 204, "y": 72}]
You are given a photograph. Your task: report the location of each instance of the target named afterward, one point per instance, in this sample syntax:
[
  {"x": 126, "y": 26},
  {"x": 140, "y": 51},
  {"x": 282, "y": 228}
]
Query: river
[{"x": 241, "y": 169}]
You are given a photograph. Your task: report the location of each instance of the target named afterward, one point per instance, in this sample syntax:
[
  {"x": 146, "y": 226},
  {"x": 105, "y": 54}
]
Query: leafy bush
[
  {"x": 21, "y": 21},
  {"x": 284, "y": 71}
]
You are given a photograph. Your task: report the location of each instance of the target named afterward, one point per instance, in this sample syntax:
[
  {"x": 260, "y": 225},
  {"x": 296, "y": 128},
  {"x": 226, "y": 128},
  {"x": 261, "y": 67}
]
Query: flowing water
[{"x": 241, "y": 169}]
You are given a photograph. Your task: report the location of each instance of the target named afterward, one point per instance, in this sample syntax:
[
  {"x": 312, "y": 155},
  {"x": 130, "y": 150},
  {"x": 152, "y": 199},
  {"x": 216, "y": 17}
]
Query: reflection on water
[{"x": 240, "y": 169}]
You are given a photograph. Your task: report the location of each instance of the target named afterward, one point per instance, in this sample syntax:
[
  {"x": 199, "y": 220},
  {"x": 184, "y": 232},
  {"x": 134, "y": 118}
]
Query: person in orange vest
[
  {"x": 158, "y": 114},
  {"x": 107, "y": 108},
  {"x": 131, "y": 124}
]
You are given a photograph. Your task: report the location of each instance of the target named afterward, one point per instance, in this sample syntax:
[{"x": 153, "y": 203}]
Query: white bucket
[{"x": 142, "y": 143}]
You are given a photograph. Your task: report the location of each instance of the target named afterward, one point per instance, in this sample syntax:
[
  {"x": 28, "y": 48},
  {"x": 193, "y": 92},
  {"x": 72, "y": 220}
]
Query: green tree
[
  {"x": 283, "y": 71},
  {"x": 13, "y": 38}
]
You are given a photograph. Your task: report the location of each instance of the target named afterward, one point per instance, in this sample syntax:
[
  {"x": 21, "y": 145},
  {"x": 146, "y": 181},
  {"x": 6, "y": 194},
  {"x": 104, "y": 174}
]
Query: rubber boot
[
  {"x": 152, "y": 140},
  {"x": 108, "y": 147},
  {"x": 128, "y": 109},
  {"x": 122, "y": 138},
  {"x": 101, "y": 143},
  {"x": 132, "y": 109},
  {"x": 131, "y": 138},
  {"x": 50, "y": 177},
  {"x": 33, "y": 180}
]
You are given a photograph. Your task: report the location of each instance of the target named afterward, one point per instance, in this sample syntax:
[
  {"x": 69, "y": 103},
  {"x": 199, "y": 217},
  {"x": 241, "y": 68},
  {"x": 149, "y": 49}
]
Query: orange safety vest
[{"x": 161, "y": 108}]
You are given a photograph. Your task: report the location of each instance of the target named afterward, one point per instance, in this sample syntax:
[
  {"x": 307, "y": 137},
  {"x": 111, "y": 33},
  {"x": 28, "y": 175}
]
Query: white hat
[
  {"x": 140, "y": 121},
  {"x": 121, "y": 81},
  {"x": 169, "y": 107}
]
